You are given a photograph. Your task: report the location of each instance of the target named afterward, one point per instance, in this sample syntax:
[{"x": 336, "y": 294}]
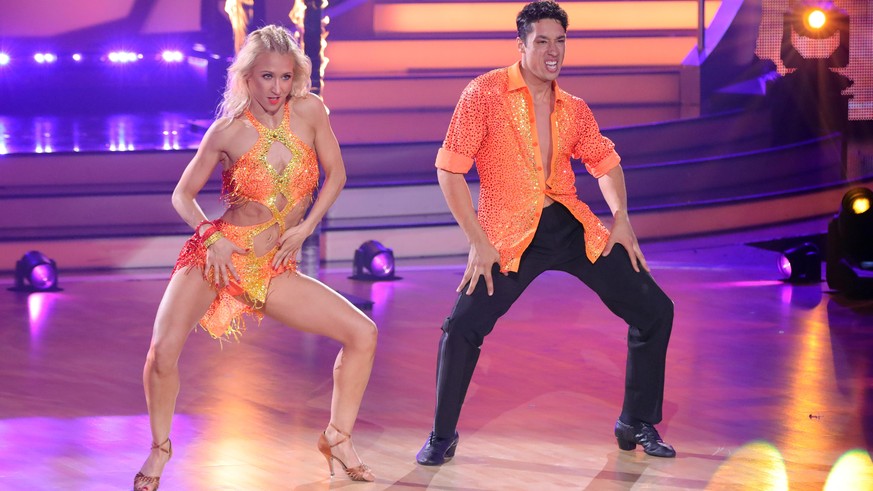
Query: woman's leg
[
  {"x": 308, "y": 305},
  {"x": 185, "y": 301}
]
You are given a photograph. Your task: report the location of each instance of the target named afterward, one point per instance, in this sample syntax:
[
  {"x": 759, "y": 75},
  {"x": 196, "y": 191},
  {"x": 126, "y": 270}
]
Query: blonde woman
[{"x": 270, "y": 137}]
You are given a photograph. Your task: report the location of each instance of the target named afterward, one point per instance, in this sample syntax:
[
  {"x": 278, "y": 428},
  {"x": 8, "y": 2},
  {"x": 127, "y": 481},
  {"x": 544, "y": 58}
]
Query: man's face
[{"x": 542, "y": 53}]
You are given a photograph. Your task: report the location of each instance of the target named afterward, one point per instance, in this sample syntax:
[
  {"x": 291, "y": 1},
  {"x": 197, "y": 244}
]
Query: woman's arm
[
  {"x": 313, "y": 111},
  {"x": 197, "y": 173},
  {"x": 331, "y": 160},
  {"x": 195, "y": 176}
]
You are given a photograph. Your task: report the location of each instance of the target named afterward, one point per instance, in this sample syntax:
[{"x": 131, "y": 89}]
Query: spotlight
[
  {"x": 123, "y": 56},
  {"x": 172, "y": 56},
  {"x": 77, "y": 57},
  {"x": 801, "y": 264},
  {"x": 43, "y": 58},
  {"x": 815, "y": 19},
  {"x": 816, "y": 23},
  {"x": 855, "y": 223},
  {"x": 374, "y": 262},
  {"x": 35, "y": 272},
  {"x": 4, "y": 59},
  {"x": 850, "y": 245},
  {"x": 809, "y": 101}
]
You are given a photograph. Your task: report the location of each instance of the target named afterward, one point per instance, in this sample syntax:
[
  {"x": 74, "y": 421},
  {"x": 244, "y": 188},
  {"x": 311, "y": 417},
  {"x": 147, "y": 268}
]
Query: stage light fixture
[
  {"x": 850, "y": 245},
  {"x": 172, "y": 56},
  {"x": 43, "y": 58},
  {"x": 816, "y": 19},
  {"x": 855, "y": 221},
  {"x": 816, "y": 22},
  {"x": 4, "y": 59},
  {"x": 801, "y": 264},
  {"x": 36, "y": 272},
  {"x": 373, "y": 261},
  {"x": 809, "y": 100},
  {"x": 123, "y": 56}
]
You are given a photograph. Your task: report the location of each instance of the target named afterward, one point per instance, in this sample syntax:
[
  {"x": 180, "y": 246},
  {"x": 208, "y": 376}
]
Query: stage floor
[{"x": 769, "y": 386}]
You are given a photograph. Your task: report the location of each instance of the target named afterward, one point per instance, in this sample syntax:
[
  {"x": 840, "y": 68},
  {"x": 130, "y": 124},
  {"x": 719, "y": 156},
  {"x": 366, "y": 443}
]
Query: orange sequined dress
[{"x": 252, "y": 179}]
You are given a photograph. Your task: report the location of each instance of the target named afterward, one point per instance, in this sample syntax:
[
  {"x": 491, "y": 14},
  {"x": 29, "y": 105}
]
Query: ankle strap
[
  {"x": 160, "y": 446},
  {"x": 341, "y": 432},
  {"x": 345, "y": 436}
]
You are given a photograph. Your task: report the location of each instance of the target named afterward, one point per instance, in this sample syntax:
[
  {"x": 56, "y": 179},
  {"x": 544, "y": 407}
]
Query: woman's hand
[
  {"x": 290, "y": 243},
  {"x": 219, "y": 268}
]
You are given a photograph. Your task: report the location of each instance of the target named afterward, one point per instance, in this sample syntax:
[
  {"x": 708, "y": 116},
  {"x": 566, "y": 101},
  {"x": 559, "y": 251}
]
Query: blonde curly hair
[{"x": 269, "y": 39}]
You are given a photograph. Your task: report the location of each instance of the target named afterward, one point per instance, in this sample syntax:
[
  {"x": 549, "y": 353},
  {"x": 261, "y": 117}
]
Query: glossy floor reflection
[
  {"x": 99, "y": 133},
  {"x": 769, "y": 387}
]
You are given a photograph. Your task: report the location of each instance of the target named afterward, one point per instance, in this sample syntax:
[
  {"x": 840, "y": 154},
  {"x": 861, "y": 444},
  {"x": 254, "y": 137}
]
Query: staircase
[{"x": 397, "y": 67}]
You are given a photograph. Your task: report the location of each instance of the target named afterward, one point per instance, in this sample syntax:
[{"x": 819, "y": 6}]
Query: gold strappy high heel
[
  {"x": 141, "y": 482},
  {"x": 359, "y": 473}
]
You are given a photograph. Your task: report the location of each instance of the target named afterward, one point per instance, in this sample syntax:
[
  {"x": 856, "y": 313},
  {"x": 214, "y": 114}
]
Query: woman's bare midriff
[{"x": 251, "y": 214}]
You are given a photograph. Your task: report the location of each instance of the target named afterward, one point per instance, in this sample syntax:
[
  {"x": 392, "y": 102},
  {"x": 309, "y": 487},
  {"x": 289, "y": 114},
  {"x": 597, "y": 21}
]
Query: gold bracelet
[{"x": 212, "y": 239}]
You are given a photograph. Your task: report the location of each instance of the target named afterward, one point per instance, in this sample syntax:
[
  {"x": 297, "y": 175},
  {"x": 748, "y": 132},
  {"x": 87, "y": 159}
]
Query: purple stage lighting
[
  {"x": 373, "y": 261},
  {"x": 801, "y": 264},
  {"x": 123, "y": 56},
  {"x": 43, "y": 58},
  {"x": 4, "y": 59},
  {"x": 382, "y": 265},
  {"x": 36, "y": 272},
  {"x": 172, "y": 56}
]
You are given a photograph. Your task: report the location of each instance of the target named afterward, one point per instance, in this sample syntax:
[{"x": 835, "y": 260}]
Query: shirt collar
[{"x": 516, "y": 81}]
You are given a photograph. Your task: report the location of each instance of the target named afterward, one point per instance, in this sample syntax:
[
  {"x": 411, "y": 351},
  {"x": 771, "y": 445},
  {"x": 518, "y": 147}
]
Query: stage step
[
  {"x": 432, "y": 241},
  {"x": 417, "y": 108},
  {"x": 122, "y": 199},
  {"x": 396, "y": 67},
  {"x": 666, "y": 200}
]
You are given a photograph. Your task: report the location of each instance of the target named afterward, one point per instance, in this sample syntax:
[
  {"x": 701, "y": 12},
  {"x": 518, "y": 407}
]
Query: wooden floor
[{"x": 769, "y": 387}]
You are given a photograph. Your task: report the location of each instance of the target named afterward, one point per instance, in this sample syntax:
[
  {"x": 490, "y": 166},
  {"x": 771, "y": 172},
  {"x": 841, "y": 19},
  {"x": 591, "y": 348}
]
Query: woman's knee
[
  {"x": 162, "y": 358},
  {"x": 364, "y": 335}
]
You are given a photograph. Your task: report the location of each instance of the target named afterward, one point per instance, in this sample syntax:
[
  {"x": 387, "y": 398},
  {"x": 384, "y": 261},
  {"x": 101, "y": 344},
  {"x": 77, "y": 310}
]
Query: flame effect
[
  {"x": 297, "y": 16},
  {"x": 240, "y": 13}
]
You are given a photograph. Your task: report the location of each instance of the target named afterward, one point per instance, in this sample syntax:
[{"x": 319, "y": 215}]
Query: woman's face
[{"x": 270, "y": 80}]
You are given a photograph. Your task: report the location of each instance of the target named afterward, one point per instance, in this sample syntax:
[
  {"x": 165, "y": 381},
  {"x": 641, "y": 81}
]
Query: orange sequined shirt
[{"x": 494, "y": 125}]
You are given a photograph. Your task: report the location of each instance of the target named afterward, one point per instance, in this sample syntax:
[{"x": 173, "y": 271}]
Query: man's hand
[
  {"x": 622, "y": 233},
  {"x": 479, "y": 263}
]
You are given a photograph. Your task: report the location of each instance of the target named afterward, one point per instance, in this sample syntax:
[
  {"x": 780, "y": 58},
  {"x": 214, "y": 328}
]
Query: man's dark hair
[{"x": 537, "y": 11}]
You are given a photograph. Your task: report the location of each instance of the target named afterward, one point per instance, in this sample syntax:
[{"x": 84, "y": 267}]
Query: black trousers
[{"x": 559, "y": 244}]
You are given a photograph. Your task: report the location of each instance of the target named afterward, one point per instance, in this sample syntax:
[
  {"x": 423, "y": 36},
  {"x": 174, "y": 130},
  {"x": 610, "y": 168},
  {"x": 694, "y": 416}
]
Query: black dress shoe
[
  {"x": 643, "y": 434},
  {"x": 437, "y": 451}
]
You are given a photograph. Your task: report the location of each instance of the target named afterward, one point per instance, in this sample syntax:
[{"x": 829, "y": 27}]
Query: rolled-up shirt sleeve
[
  {"x": 596, "y": 151},
  {"x": 465, "y": 134}
]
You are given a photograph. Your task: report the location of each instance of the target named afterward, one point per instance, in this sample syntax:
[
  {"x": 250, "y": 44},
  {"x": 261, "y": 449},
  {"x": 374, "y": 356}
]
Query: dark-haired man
[{"x": 521, "y": 130}]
